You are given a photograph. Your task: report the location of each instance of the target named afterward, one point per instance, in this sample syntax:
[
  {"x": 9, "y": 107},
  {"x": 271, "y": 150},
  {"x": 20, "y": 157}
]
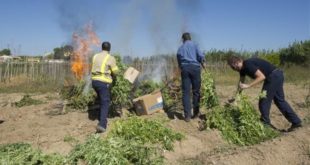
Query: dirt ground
[{"x": 44, "y": 127}]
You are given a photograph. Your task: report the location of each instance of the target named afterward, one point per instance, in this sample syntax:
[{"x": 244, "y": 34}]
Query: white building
[{"x": 6, "y": 58}]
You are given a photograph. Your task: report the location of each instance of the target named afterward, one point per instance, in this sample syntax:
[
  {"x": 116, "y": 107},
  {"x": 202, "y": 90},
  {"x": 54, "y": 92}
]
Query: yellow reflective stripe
[
  {"x": 102, "y": 77},
  {"x": 104, "y": 63}
]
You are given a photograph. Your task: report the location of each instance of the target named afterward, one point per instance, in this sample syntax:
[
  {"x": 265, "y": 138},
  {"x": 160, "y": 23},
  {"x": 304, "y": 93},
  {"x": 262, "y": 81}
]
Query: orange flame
[
  {"x": 78, "y": 68},
  {"x": 79, "y": 65}
]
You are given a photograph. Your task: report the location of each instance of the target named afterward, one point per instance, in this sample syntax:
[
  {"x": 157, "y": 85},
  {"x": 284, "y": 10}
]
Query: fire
[
  {"x": 82, "y": 48},
  {"x": 78, "y": 67}
]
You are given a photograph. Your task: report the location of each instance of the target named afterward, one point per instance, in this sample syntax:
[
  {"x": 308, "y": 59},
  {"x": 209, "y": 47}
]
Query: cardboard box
[
  {"x": 149, "y": 104},
  {"x": 131, "y": 74}
]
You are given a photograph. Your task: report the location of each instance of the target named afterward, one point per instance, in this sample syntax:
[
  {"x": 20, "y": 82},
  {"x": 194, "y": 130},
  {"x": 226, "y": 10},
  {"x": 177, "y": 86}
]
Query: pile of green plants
[
  {"x": 146, "y": 87},
  {"x": 131, "y": 141},
  {"x": 209, "y": 97},
  {"x": 21, "y": 153},
  {"x": 145, "y": 131},
  {"x": 239, "y": 123},
  {"x": 121, "y": 88},
  {"x": 114, "y": 150},
  {"x": 77, "y": 97},
  {"x": 27, "y": 100}
]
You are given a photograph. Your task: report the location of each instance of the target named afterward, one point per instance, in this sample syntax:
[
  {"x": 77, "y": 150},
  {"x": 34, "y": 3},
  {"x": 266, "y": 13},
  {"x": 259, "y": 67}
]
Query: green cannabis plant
[
  {"x": 209, "y": 97},
  {"x": 114, "y": 150},
  {"x": 146, "y": 132},
  {"x": 121, "y": 88},
  {"x": 78, "y": 98},
  {"x": 22, "y": 153},
  {"x": 239, "y": 123}
]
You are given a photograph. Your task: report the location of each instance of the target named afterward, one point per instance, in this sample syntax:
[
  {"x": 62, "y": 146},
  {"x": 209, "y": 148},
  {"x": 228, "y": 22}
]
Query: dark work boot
[
  {"x": 294, "y": 127},
  {"x": 100, "y": 129},
  {"x": 187, "y": 119}
]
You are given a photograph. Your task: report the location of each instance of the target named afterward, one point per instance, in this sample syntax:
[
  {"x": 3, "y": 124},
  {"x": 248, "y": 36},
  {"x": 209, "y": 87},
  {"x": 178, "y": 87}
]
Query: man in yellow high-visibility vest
[{"x": 103, "y": 68}]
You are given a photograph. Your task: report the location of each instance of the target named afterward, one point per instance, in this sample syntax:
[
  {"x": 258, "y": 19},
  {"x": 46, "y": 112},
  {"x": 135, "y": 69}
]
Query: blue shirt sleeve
[{"x": 200, "y": 57}]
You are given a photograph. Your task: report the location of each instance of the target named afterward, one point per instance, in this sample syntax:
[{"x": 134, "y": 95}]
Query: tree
[
  {"x": 5, "y": 52},
  {"x": 297, "y": 53},
  {"x": 63, "y": 52},
  {"x": 49, "y": 56}
]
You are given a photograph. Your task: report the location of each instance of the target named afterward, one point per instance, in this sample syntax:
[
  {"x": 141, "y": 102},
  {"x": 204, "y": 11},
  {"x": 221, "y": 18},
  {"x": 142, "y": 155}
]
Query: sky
[{"x": 149, "y": 27}]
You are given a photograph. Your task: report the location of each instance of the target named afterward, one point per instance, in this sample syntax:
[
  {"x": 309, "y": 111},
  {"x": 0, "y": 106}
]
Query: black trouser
[
  {"x": 274, "y": 88},
  {"x": 103, "y": 92},
  {"x": 190, "y": 79}
]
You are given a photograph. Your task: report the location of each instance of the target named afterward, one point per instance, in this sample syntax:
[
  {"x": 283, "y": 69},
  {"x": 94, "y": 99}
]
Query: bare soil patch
[{"x": 46, "y": 127}]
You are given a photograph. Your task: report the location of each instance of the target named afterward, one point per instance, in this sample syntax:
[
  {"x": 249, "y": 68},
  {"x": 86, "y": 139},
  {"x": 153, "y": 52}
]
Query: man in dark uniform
[
  {"x": 189, "y": 59},
  {"x": 261, "y": 70}
]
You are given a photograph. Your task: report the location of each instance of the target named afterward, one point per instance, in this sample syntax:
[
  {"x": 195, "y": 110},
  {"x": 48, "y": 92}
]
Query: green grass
[
  {"x": 293, "y": 74},
  {"x": 296, "y": 74},
  {"x": 27, "y": 100},
  {"x": 71, "y": 140},
  {"x": 24, "y": 86},
  {"x": 225, "y": 76}
]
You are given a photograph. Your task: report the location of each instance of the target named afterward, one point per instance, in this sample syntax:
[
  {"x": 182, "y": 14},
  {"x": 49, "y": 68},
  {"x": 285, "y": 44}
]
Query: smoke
[
  {"x": 154, "y": 70},
  {"x": 142, "y": 27},
  {"x": 75, "y": 14},
  {"x": 134, "y": 27}
]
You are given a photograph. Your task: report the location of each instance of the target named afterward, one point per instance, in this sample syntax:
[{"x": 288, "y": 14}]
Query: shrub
[{"x": 273, "y": 58}]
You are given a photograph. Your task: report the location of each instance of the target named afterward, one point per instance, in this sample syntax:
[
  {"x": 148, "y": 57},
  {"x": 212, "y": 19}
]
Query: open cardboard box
[
  {"x": 148, "y": 104},
  {"x": 131, "y": 74}
]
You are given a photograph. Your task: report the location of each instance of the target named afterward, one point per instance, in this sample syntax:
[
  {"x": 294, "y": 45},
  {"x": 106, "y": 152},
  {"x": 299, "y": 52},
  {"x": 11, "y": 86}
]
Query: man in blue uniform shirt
[
  {"x": 189, "y": 59},
  {"x": 261, "y": 70}
]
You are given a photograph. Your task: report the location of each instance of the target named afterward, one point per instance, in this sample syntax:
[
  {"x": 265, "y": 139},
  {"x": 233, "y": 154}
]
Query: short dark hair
[
  {"x": 233, "y": 59},
  {"x": 186, "y": 36},
  {"x": 106, "y": 46}
]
